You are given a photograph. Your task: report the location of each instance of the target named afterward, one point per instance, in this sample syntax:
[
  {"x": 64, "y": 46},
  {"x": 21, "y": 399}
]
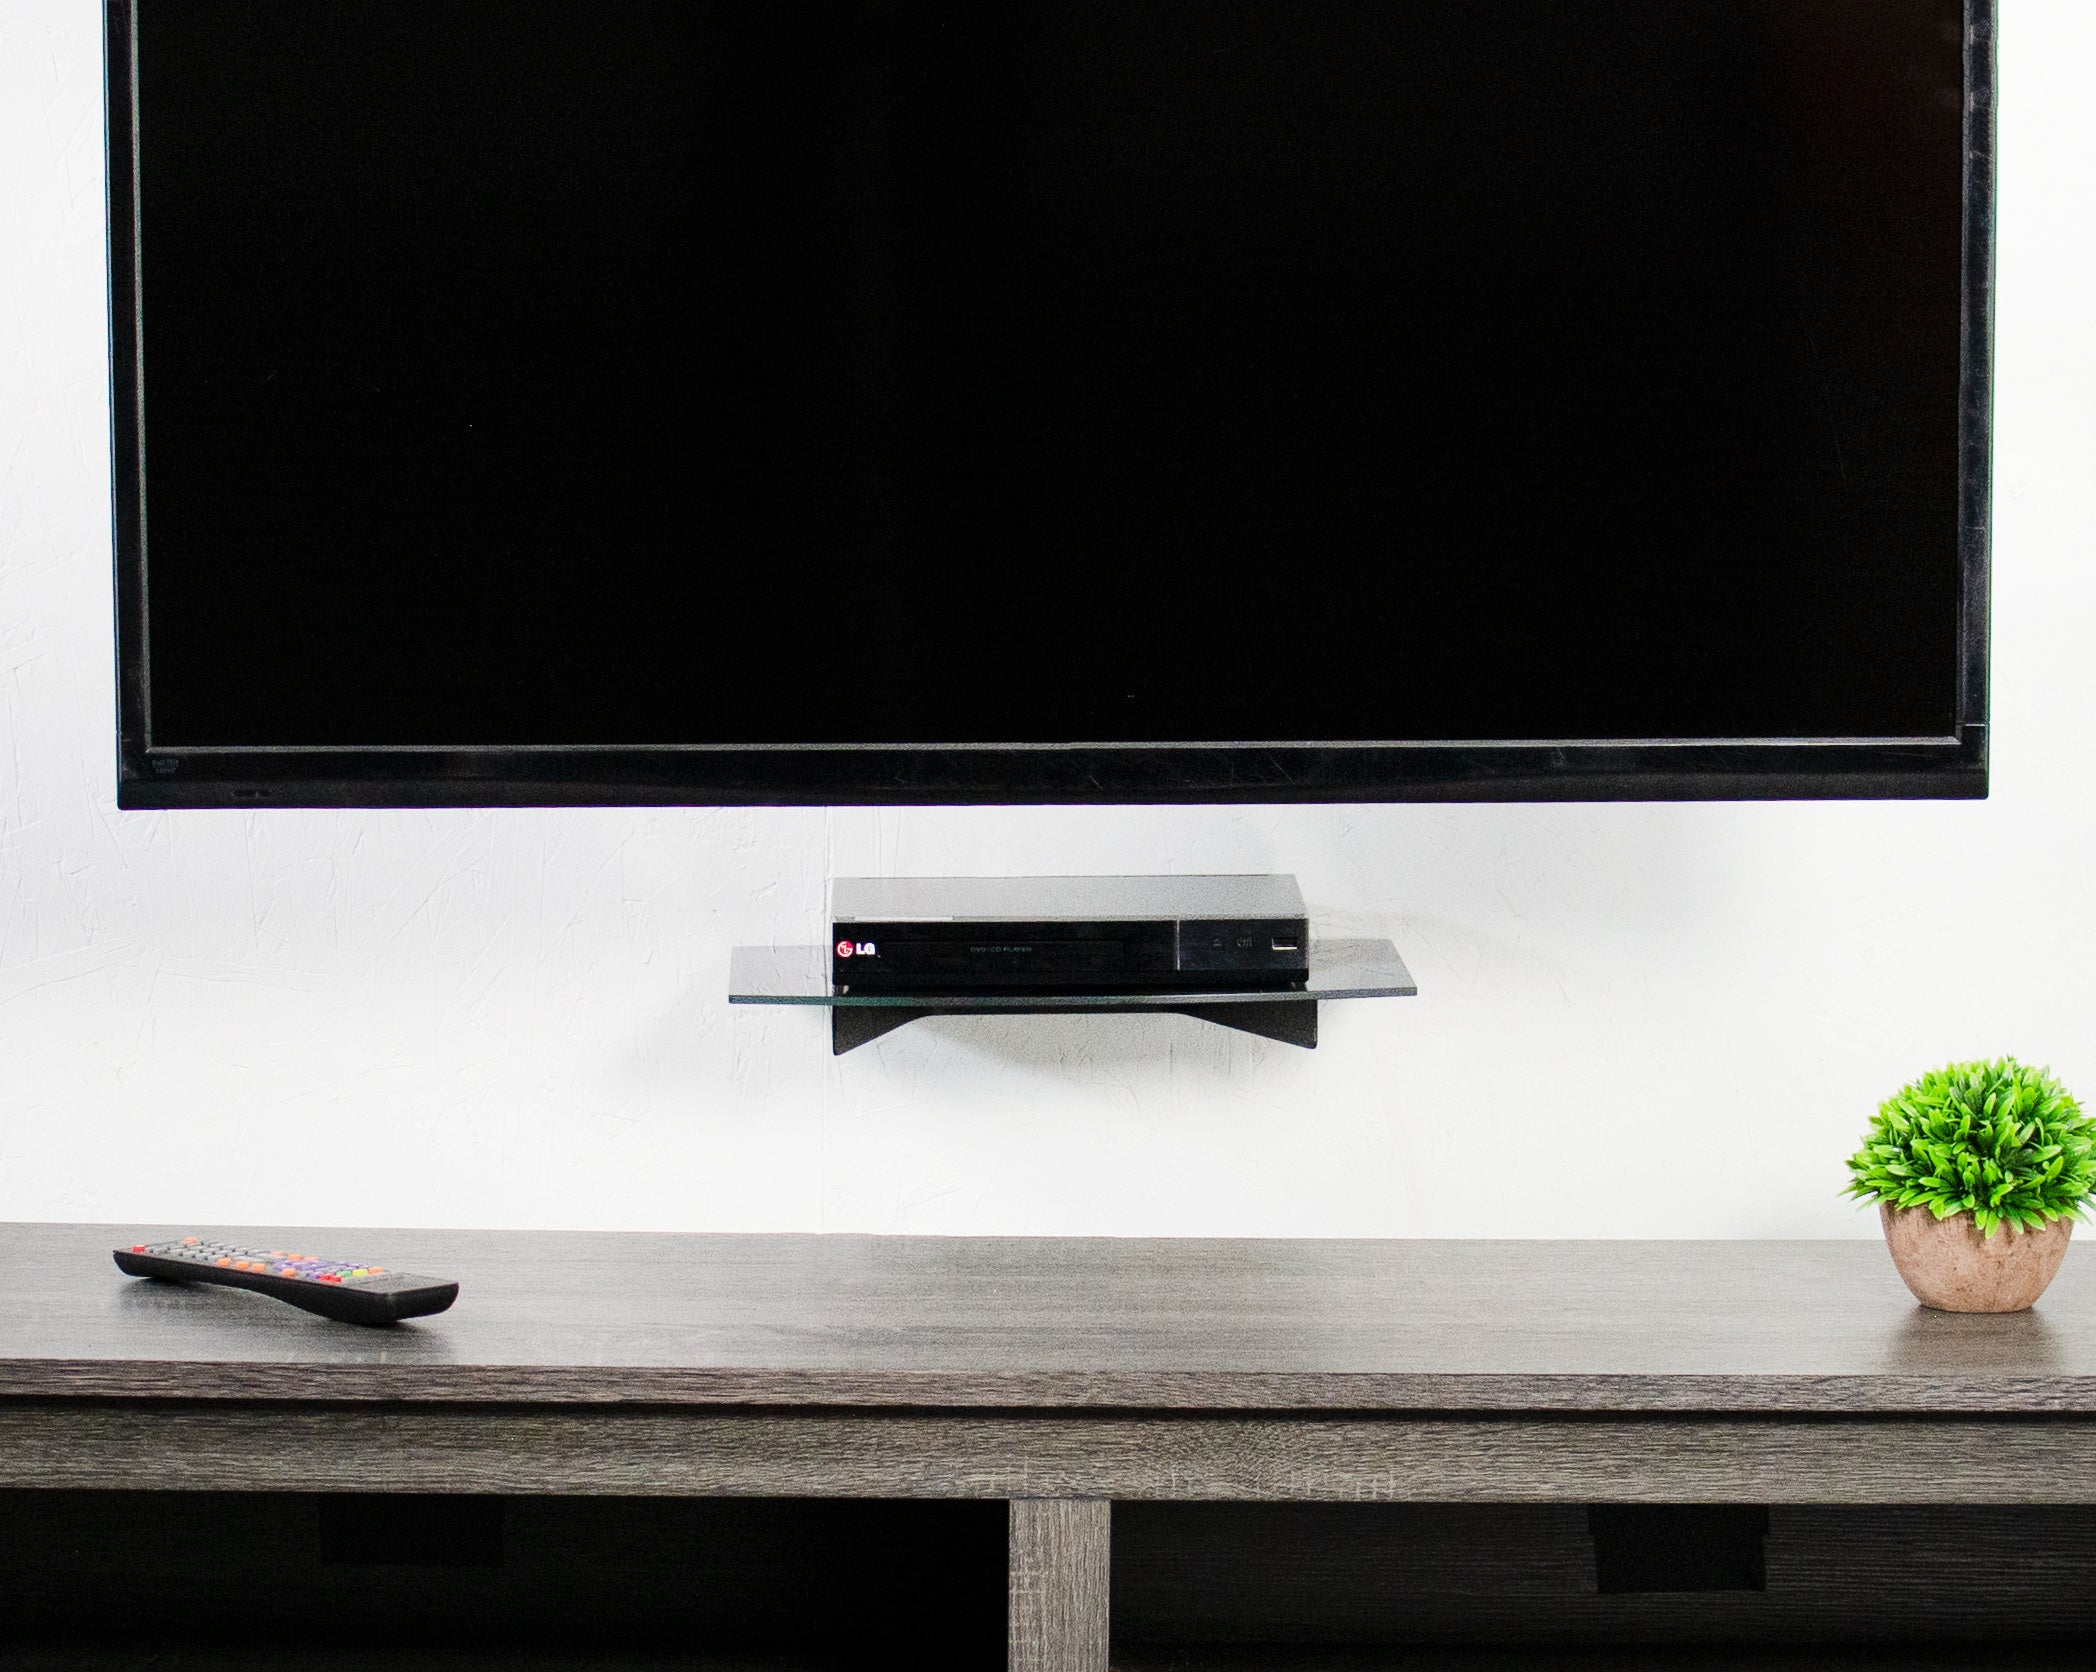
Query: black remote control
[{"x": 339, "y": 1289}]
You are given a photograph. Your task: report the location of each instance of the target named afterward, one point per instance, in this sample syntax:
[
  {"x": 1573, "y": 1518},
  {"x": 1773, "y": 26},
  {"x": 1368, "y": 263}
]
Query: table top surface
[{"x": 1136, "y": 1324}]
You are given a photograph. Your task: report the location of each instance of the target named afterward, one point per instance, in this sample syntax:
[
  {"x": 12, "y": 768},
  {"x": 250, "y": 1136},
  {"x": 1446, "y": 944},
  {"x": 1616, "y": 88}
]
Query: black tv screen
[{"x": 527, "y": 401}]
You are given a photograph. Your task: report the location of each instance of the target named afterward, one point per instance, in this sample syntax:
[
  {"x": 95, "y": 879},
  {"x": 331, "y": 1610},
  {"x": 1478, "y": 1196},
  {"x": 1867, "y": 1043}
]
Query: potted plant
[{"x": 1979, "y": 1171}]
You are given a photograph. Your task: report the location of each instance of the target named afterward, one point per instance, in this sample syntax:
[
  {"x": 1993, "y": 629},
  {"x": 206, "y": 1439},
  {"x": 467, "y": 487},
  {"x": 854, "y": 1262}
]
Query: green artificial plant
[{"x": 2005, "y": 1143}]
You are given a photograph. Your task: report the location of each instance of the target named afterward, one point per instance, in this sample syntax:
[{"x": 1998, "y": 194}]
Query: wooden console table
[{"x": 1060, "y": 1375}]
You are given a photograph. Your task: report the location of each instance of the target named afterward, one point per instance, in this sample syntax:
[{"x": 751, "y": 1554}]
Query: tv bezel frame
[{"x": 1953, "y": 766}]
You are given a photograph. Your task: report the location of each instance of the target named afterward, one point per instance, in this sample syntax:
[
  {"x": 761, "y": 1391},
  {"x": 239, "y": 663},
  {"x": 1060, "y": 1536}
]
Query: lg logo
[{"x": 856, "y": 949}]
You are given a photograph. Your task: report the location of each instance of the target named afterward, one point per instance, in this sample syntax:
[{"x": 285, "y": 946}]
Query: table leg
[{"x": 1060, "y": 1549}]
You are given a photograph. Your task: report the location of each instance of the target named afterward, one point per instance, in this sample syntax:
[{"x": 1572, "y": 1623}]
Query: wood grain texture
[
  {"x": 1059, "y": 1585},
  {"x": 632, "y": 1452},
  {"x": 1805, "y": 1327}
]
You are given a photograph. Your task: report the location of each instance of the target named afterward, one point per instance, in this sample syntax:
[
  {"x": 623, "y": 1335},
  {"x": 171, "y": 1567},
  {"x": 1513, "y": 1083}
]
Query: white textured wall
[{"x": 1633, "y": 1020}]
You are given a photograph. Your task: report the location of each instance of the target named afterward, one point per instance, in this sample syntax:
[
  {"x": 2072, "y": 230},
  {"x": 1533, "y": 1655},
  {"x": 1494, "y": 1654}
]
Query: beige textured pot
[{"x": 1950, "y": 1266}]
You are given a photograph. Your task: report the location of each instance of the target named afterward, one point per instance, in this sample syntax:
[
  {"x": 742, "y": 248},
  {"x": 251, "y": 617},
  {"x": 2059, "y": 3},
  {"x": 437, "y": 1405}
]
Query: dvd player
[{"x": 1068, "y": 934}]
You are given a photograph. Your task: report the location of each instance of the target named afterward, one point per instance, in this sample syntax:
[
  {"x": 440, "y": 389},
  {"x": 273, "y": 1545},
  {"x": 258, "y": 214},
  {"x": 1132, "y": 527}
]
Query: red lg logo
[{"x": 844, "y": 949}]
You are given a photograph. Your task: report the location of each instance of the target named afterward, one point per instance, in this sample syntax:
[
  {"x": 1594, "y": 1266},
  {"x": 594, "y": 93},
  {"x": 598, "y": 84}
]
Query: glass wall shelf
[{"x": 1339, "y": 969}]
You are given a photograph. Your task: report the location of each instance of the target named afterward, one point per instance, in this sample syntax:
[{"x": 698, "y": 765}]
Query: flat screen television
[{"x": 851, "y": 401}]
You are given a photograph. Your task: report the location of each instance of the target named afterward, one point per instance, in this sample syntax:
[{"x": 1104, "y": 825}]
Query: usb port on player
[{"x": 1287, "y": 944}]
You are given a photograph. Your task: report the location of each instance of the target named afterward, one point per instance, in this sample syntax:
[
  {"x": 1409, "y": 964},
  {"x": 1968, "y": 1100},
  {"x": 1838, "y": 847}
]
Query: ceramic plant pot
[{"x": 1950, "y": 1266}]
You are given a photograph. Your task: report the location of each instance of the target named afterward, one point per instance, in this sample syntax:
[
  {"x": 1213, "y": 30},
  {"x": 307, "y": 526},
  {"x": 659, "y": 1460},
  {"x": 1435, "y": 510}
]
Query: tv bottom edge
[{"x": 1924, "y": 769}]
